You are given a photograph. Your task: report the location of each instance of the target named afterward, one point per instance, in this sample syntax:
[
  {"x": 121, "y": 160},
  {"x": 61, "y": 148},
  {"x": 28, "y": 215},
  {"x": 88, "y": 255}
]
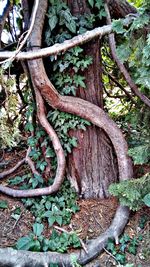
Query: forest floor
[{"x": 93, "y": 219}]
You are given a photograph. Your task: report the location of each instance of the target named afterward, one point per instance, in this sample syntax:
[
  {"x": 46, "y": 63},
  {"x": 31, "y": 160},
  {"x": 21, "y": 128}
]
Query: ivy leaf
[
  {"x": 91, "y": 3},
  {"x": 58, "y": 219},
  {"x": 102, "y": 13},
  {"x": 24, "y": 243},
  {"x": 51, "y": 220},
  {"x": 117, "y": 26},
  {"x": 3, "y": 204},
  {"x": 120, "y": 257},
  {"x": 71, "y": 26},
  {"x": 99, "y": 4},
  {"x": 123, "y": 52},
  {"x": 49, "y": 153},
  {"x": 38, "y": 228},
  {"x": 53, "y": 22},
  {"x": 146, "y": 200}
]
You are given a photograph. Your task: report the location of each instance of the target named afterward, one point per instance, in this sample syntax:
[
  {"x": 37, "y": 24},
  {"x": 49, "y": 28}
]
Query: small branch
[
  {"x": 22, "y": 43},
  {"x": 121, "y": 66},
  {"x": 119, "y": 85},
  {"x": 2, "y": 157},
  {"x": 10, "y": 171},
  {"x": 63, "y": 47},
  {"x": 110, "y": 254},
  {"x": 112, "y": 96},
  {"x": 17, "y": 220}
]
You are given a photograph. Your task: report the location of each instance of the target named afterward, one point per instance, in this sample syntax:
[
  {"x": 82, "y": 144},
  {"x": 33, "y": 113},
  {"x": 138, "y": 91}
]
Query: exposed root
[
  {"x": 31, "y": 163},
  {"x": 13, "y": 258},
  {"x": 60, "y": 159},
  {"x": 13, "y": 169}
]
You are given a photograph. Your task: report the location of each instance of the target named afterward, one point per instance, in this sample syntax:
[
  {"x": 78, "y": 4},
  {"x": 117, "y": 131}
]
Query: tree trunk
[{"x": 92, "y": 165}]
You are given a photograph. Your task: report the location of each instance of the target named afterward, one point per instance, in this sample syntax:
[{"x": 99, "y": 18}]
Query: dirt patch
[
  {"x": 94, "y": 217},
  {"x": 12, "y": 226}
]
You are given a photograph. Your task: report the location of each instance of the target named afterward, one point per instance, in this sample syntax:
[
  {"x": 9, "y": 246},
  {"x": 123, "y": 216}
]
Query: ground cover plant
[{"x": 75, "y": 105}]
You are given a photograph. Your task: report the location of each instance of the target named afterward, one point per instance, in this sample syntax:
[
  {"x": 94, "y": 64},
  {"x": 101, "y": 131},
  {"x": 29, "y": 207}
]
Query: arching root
[{"x": 12, "y": 258}]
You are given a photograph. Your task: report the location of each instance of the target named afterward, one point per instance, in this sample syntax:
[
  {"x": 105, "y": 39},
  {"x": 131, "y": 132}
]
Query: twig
[
  {"x": 27, "y": 35},
  {"x": 98, "y": 223},
  {"x": 2, "y": 157},
  {"x": 110, "y": 254},
  {"x": 17, "y": 220},
  {"x": 121, "y": 66},
  {"x": 119, "y": 85}
]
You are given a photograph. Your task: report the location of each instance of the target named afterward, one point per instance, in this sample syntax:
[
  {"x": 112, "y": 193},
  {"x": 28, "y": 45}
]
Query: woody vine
[{"x": 80, "y": 113}]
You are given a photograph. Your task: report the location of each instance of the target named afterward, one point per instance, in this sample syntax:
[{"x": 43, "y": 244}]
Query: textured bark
[
  {"x": 92, "y": 165},
  {"x": 120, "y": 8}
]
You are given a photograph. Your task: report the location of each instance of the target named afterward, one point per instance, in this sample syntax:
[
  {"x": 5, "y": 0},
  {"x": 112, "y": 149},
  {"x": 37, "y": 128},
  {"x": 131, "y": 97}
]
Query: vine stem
[{"x": 121, "y": 66}]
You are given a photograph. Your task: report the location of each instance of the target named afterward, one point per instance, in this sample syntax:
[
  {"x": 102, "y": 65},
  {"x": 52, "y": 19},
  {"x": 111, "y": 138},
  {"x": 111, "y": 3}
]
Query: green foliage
[
  {"x": 139, "y": 145},
  {"x": 133, "y": 193},
  {"x": 63, "y": 123},
  {"x": 54, "y": 209},
  {"x": 3, "y": 204},
  {"x": 9, "y": 133},
  {"x": 126, "y": 244},
  {"x": 140, "y": 154},
  {"x": 35, "y": 241},
  {"x": 67, "y": 71},
  {"x": 135, "y": 47}
]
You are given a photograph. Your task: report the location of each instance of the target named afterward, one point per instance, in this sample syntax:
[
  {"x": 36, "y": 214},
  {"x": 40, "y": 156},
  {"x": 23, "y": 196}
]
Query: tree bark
[
  {"x": 120, "y": 8},
  {"x": 92, "y": 165}
]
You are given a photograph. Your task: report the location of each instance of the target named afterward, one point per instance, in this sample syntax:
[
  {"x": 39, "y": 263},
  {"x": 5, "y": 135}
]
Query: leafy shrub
[
  {"x": 35, "y": 241},
  {"x": 133, "y": 193}
]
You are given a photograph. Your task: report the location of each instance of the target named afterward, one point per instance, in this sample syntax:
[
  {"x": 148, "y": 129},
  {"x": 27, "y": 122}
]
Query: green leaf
[
  {"x": 24, "y": 243},
  {"x": 99, "y": 4},
  {"x": 48, "y": 205},
  {"x": 38, "y": 228},
  {"x": 132, "y": 249},
  {"x": 117, "y": 26},
  {"x": 58, "y": 219},
  {"x": 36, "y": 246},
  {"x": 3, "y": 204},
  {"x": 71, "y": 26},
  {"x": 53, "y": 22},
  {"x": 49, "y": 153},
  {"x": 146, "y": 200},
  {"x": 51, "y": 220},
  {"x": 43, "y": 165},
  {"x": 110, "y": 245},
  {"x": 121, "y": 258},
  {"x": 15, "y": 216},
  {"x": 91, "y": 2}
]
